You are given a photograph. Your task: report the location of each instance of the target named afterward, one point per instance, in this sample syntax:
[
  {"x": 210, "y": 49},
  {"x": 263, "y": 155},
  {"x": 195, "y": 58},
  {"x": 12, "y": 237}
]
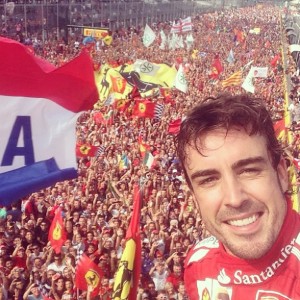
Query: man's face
[{"x": 237, "y": 190}]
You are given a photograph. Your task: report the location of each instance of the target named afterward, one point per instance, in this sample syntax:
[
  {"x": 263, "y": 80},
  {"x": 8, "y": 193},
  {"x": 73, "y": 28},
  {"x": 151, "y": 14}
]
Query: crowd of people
[{"x": 97, "y": 205}]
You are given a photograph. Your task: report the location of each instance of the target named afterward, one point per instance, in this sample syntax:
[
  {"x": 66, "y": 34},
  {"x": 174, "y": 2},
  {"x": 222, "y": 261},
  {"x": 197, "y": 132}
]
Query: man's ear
[{"x": 282, "y": 174}]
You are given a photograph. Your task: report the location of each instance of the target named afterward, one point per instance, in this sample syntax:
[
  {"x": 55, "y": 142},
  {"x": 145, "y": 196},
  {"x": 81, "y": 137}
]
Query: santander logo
[{"x": 223, "y": 278}]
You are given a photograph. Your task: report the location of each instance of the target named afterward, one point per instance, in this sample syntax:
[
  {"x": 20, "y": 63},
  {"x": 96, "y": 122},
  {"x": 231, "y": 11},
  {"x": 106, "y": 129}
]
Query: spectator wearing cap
[{"x": 57, "y": 287}]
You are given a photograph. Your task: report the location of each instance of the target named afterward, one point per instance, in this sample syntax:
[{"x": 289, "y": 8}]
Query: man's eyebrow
[
  {"x": 239, "y": 164},
  {"x": 248, "y": 161},
  {"x": 203, "y": 173}
]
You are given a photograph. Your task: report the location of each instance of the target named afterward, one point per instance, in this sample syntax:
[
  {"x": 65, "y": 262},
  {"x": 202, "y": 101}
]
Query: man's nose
[{"x": 234, "y": 194}]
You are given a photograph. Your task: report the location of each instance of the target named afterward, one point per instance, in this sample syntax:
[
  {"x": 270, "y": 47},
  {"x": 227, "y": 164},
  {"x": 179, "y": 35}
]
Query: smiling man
[{"x": 234, "y": 166}]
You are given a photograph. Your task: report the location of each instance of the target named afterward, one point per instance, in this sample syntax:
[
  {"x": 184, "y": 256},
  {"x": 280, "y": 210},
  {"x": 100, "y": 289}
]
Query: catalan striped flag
[{"x": 235, "y": 79}]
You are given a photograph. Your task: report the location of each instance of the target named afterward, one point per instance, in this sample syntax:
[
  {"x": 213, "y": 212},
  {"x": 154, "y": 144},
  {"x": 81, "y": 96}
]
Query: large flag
[
  {"x": 39, "y": 112},
  {"x": 180, "y": 81},
  {"x": 88, "y": 274},
  {"x": 57, "y": 234},
  {"x": 235, "y": 79},
  {"x": 149, "y": 36},
  {"x": 109, "y": 81},
  {"x": 147, "y": 76},
  {"x": 146, "y": 67},
  {"x": 128, "y": 274}
]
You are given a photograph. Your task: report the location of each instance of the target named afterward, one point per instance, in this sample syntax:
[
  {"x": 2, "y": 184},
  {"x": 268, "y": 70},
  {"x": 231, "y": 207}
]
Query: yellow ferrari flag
[{"x": 129, "y": 269}]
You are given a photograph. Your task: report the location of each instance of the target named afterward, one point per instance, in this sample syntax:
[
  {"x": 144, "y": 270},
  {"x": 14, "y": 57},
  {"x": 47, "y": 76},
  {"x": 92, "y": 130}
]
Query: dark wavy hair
[{"x": 227, "y": 111}]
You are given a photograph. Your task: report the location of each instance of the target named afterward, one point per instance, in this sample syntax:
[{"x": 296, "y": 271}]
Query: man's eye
[
  {"x": 250, "y": 171},
  {"x": 207, "y": 181}
]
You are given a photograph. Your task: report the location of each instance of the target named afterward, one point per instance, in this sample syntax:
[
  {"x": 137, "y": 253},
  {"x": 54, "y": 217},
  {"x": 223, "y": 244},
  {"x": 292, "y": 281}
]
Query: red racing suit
[{"x": 212, "y": 274}]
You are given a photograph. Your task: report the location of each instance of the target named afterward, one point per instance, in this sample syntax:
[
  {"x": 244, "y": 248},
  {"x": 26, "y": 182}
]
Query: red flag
[
  {"x": 240, "y": 36},
  {"x": 166, "y": 93},
  {"x": 274, "y": 60},
  {"x": 88, "y": 273},
  {"x": 104, "y": 118},
  {"x": 279, "y": 128},
  {"x": 217, "y": 68},
  {"x": 57, "y": 234},
  {"x": 121, "y": 104},
  {"x": 144, "y": 109},
  {"x": 85, "y": 150},
  {"x": 128, "y": 274},
  {"x": 174, "y": 126},
  {"x": 143, "y": 146}
]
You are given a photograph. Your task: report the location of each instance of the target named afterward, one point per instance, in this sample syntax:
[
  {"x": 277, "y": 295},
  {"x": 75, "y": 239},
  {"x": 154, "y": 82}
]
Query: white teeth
[{"x": 243, "y": 222}]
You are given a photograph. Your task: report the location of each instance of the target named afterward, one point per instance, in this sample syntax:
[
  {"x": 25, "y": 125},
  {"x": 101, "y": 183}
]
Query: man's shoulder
[{"x": 205, "y": 249}]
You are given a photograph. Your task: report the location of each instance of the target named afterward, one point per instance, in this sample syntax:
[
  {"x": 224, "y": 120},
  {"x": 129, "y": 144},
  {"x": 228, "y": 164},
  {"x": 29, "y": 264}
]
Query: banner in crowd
[
  {"x": 40, "y": 105},
  {"x": 88, "y": 274},
  {"x": 294, "y": 47},
  {"x": 149, "y": 36},
  {"x": 57, "y": 233},
  {"x": 182, "y": 25},
  {"x": 142, "y": 75},
  {"x": 234, "y": 80},
  {"x": 128, "y": 274}
]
